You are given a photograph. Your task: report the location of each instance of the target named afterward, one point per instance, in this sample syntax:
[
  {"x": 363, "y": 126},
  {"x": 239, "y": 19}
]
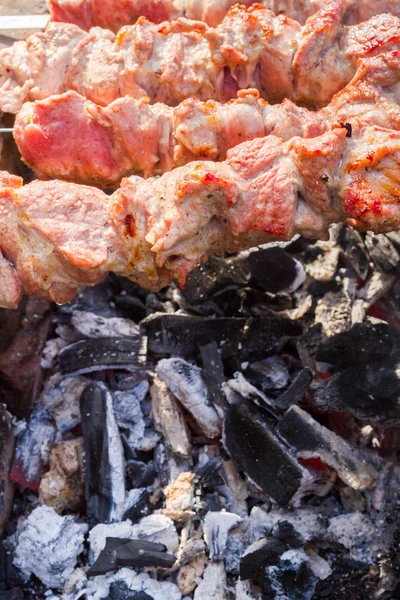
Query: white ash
[
  {"x": 50, "y": 352},
  {"x": 357, "y": 534},
  {"x": 295, "y": 558},
  {"x": 91, "y": 325},
  {"x": 48, "y": 546},
  {"x": 116, "y": 459},
  {"x": 154, "y": 528},
  {"x": 128, "y": 414},
  {"x": 169, "y": 419},
  {"x": 213, "y": 583},
  {"x": 319, "y": 566},
  {"x": 275, "y": 372},
  {"x": 237, "y": 542},
  {"x": 309, "y": 524},
  {"x": 186, "y": 383},
  {"x": 97, "y": 588},
  {"x": 241, "y": 386},
  {"x": 60, "y": 397},
  {"x": 216, "y": 528},
  {"x": 131, "y": 499},
  {"x": 243, "y": 591}
]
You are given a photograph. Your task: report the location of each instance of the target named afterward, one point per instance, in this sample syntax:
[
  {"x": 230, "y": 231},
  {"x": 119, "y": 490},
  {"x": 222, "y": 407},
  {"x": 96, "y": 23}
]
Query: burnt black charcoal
[
  {"x": 131, "y": 307},
  {"x": 288, "y": 534},
  {"x": 120, "y": 591},
  {"x": 120, "y": 553},
  {"x": 101, "y": 487},
  {"x": 139, "y": 509},
  {"x": 369, "y": 392},
  {"x": 96, "y": 354},
  {"x": 354, "y": 253},
  {"x": 9, "y": 575},
  {"x": 213, "y": 372},
  {"x": 360, "y": 345},
  {"x": 269, "y": 374},
  {"x": 253, "y": 445},
  {"x": 216, "y": 274},
  {"x": 7, "y": 444},
  {"x": 209, "y": 475},
  {"x": 383, "y": 253},
  {"x": 310, "y": 439},
  {"x": 279, "y": 571},
  {"x": 14, "y": 594},
  {"x": 183, "y": 335},
  {"x": 273, "y": 270},
  {"x": 293, "y": 394},
  {"x": 139, "y": 474}
]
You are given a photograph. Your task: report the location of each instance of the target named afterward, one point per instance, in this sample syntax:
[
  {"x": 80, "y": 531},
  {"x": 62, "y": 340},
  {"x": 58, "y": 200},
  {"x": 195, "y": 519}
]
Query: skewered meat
[
  {"x": 173, "y": 61},
  {"x": 114, "y": 14},
  {"x": 58, "y": 236},
  {"x": 71, "y": 138}
]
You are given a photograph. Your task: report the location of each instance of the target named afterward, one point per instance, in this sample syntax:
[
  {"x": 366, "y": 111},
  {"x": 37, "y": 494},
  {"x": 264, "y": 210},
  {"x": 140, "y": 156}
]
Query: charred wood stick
[
  {"x": 57, "y": 236},
  {"x": 176, "y": 60}
]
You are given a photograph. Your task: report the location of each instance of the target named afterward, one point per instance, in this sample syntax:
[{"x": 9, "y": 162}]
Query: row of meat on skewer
[{"x": 282, "y": 170}]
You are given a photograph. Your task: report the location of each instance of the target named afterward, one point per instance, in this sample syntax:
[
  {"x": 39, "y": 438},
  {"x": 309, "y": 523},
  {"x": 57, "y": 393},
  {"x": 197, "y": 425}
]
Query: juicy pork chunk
[
  {"x": 57, "y": 236},
  {"x": 113, "y": 14},
  {"x": 71, "y": 138},
  {"x": 176, "y": 60}
]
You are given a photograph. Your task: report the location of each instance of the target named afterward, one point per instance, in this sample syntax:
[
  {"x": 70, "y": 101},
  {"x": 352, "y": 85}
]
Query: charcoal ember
[
  {"x": 136, "y": 505},
  {"x": 14, "y": 594},
  {"x": 183, "y": 335},
  {"x": 213, "y": 372},
  {"x": 20, "y": 368},
  {"x": 213, "y": 583},
  {"x": 154, "y": 528},
  {"x": 278, "y": 570},
  {"x": 179, "y": 497},
  {"x": 376, "y": 288},
  {"x": 305, "y": 525},
  {"x": 32, "y": 449},
  {"x": 92, "y": 325},
  {"x": 383, "y": 253},
  {"x": 274, "y": 270},
  {"x": 62, "y": 487},
  {"x": 48, "y": 546},
  {"x": 309, "y": 439},
  {"x": 239, "y": 387},
  {"x": 309, "y": 344},
  {"x": 357, "y": 534},
  {"x": 136, "y": 583},
  {"x": 139, "y": 474},
  {"x": 97, "y": 354},
  {"x": 360, "y": 345},
  {"x": 7, "y": 445},
  {"x": 130, "y": 553},
  {"x": 322, "y": 260},
  {"x": 237, "y": 542},
  {"x": 104, "y": 466},
  {"x": 216, "y": 527},
  {"x": 353, "y": 248},
  {"x": 370, "y": 392},
  {"x": 333, "y": 312},
  {"x": 129, "y": 417},
  {"x": 253, "y": 445},
  {"x": 120, "y": 591},
  {"x": 295, "y": 391},
  {"x": 60, "y": 398},
  {"x": 169, "y": 419},
  {"x": 269, "y": 374},
  {"x": 186, "y": 383}
]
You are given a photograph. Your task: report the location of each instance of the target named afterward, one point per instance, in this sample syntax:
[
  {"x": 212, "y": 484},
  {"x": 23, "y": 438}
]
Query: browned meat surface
[
  {"x": 176, "y": 60},
  {"x": 69, "y": 137},
  {"x": 113, "y": 14},
  {"x": 57, "y": 236}
]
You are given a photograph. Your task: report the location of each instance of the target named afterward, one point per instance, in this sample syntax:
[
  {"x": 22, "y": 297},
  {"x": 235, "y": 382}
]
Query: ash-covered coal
[{"x": 234, "y": 440}]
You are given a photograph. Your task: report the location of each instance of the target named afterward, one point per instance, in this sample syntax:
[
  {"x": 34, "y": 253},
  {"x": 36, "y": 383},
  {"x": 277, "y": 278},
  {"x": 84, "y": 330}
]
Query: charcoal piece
[
  {"x": 269, "y": 374},
  {"x": 60, "y": 398},
  {"x": 213, "y": 583},
  {"x": 10, "y": 576},
  {"x": 355, "y": 532},
  {"x": 96, "y": 354},
  {"x": 120, "y": 591},
  {"x": 14, "y": 594},
  {"x": 139, "y": 474},
  {"x": 321, "y": 260},
  {"x": 120, "y": 553},
  {"x": 369, "y": 392},
  {"x": 89, "y": 324},
  {"x": 383, "y": 253},
  {"x": 183, "y": 335},
  {"x": 293, "y": 394},
  {"x": 139, "y": 505},
  {"x": 352, "y": 245},
  {"x": 103, "y": 455},
  {"x": 7, "y": 444},
  {"x": 333, "y": 312},
  {"x": 360, "y": 345},
  {"x": 32, "y": 446},
  {"x": 253, "y": 445},
  {"x": 216, "y": 527},
  {"x": 216, "y": 274},
  {"x": 186, "y": 383},
  {"x": 20, "y": 363},
  {"x": 273, "y": 270},
  {"x": 280, "y": 571},
  {"x": 213, "y": 372},
  {"x": 307, "y": 523},
  {"x": 309, "y": 439},
  {"x": 209, "y": 474},
  {"x": 169, "y": 419},
  {"x": 286, "y": 532},
  {"x": 48, "y": 546}
]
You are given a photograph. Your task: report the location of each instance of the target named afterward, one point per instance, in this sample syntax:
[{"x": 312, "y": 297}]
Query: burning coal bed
[{"x": 237, "y": 439}]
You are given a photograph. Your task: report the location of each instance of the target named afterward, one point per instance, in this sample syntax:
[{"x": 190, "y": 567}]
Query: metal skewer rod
[
  {"x": 15, "y": 22},
  {"x": 6, "y": 129}
]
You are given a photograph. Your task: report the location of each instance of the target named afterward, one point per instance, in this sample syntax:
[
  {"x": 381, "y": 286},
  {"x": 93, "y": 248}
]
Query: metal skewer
[{"x": 6, "y": 129}]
